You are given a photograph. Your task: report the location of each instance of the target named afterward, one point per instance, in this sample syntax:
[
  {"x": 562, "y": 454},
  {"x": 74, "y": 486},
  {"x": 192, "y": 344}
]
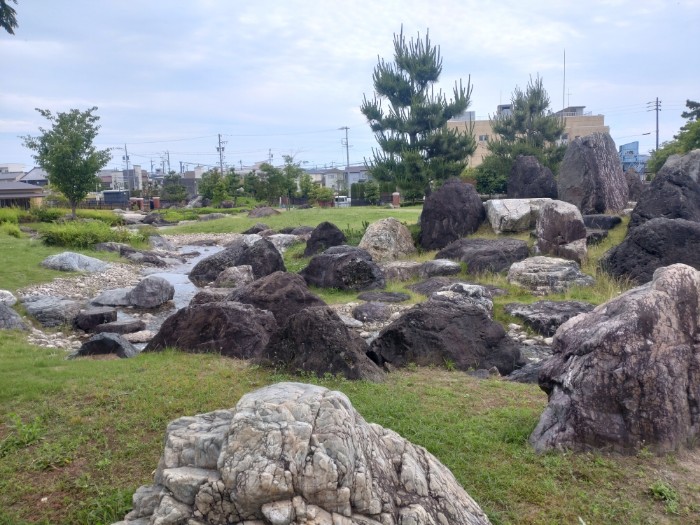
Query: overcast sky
[{"x": 282, "y": 76}]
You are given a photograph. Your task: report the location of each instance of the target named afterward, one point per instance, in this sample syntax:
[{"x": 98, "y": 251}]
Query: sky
[{"x": 274, "y": 78}]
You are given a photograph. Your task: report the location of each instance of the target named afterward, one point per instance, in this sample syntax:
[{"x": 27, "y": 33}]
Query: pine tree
[{"x": 417, "y": 149}]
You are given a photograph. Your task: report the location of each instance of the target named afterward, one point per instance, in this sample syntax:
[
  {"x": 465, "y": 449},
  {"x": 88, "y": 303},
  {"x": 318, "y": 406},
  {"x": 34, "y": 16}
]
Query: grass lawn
[{"x": 78, "y": 437}]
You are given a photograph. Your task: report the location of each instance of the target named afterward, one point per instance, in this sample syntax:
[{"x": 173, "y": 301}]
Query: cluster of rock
[{"x": 296, "y": 454}]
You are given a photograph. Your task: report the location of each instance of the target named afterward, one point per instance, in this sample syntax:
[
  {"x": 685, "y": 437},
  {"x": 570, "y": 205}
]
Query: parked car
[{"x": 341, "y": 201}]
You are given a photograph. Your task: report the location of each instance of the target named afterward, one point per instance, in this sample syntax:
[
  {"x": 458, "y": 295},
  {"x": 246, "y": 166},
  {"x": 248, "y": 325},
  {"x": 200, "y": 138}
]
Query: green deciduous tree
[
  {"x": 416, "y": 148},
  {"x": 172, "y": 189},
  {"x": 208, "y": 183},
  {"x": 67, "y": 154},
  {"x": 530, "y": 128},
  {"x": 8, "y": 16},
  {"x": 306, "y": 185},
  {"x": 688, "y": 138}
]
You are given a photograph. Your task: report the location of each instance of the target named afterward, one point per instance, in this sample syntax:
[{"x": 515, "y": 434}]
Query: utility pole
[
  {"x": 181, "y": 169},
  {"x": 125, "y": 158},
  {"x": 347, "y": 157},
  {"x": 655, "y": 106},
  {"x": 168, "y": 155},
  {"x": 269, "y": 156},
  {"x": 220, "y": 149}
]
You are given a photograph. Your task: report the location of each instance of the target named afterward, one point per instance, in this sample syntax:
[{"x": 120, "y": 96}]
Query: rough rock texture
[
  {"x": 284, "y": 294},
  {"x": 590, "y": 176},
  {"x": 123, "y": 326},
  {"x": 600, "y": 221},
  {"x": 451, "y": 212},
  {"x": 371, "y": 312},
  {"x": 688, "y": 164},
  {"x": 387, "y": 240},
  {"x": 114, "y": 297},
  {"x": 635, "y": 186},
  {"x": 384, "y": 297},
  {"x": 256, "y": 228},
  {"x": 595, "y": 236},
  {"x": 74, "y": 262},
  {"x": 102, "y": 344},
  {"x": 561, "y": 232},
  {"x": 298, "y": 454},
  {"x": 52, "y": 311},
  {"x": 283, "y": 241},
  {"x": 89, "y": 318},
  {"x": 234, "y": 276},
  {"x": 7, "y": 298},
  {"x": 262, "y": 211},
  {"x": 210, "y": 295},
  {"x": 438, "y": 267},
  {"x": 11, "y": 320},
  {"x": 324, "y": 236},
  {"x": 655, "y": 243},
  {"x": 345, "y": 268},
  {"x": 467, "y": 294},
  {"x": 229, "y": 328},
  {"x": 438, "y": 332},
  {"x": 486, "y": 255},
  {"x": 513, "y": 215},
  {"x": 545, "y": 317},
  {"x": 543, "y": 275},
  {"x": 528, "y": 178},
  {"x": 432, "y": 285},
  {"x": 671, "y": 195},
  {"x": 151, "y": 292},
  {"x": 262, "y": 256},
  {"x": 627, "y": 374},
  {"x": 316, "y": 340},
  {"x": 401, "y": 270}
]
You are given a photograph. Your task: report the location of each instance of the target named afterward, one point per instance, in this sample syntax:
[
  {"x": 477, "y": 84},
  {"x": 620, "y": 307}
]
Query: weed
[
  {"x": 661, "y": 491},
  {"x": 10, "y": 229},
  {"x": 22, "y": 435}
]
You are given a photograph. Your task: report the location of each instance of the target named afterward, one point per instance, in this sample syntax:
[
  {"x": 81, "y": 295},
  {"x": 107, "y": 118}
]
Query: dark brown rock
[
  {"x": 104, "y": 344},
  {"x": 653, "y": 244},
  {"x": 228, "y": 328},
  {"x": 529, "y": 179},
  {"x": 453, "y": 211},
  {"x": 627, "y": 374},
  {"x": 635, "y": 186},
  {"x": 324, "y": 236},
  {"x": 486, "y": 255},
  {"x": 316, "y": 340},
  {"x": 89, "y": 318},
  {"x": 590, "y": 176},
  {"x": 125, "y": 326},
  {"x": 262, "y": 211},
  {"x": 384, "y": 297},
  {"x": 284, "y": 294},
  {"x": 371, "y": 312},
  {"x": 440, "y": 332},
  {"x": 601, "y": 221},
  {"x": 345, "y": 268}
]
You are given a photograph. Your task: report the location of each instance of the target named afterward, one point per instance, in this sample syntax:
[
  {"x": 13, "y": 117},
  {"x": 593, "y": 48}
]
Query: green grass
[{"x": 84, "y": 434}]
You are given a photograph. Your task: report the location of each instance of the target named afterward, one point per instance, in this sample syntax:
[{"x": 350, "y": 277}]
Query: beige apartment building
[{"x": 577, "y": 123}]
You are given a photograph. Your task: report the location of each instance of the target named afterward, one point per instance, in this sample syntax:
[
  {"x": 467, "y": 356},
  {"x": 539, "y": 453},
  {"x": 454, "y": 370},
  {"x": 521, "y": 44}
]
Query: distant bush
[
  {"x": 106, "y": 216},
  {"x": 9, "y": 215},
  {"x": 44, "y": 214},
  {"x": 84, "y": 234},
  {"x": 10, "y": 229}
]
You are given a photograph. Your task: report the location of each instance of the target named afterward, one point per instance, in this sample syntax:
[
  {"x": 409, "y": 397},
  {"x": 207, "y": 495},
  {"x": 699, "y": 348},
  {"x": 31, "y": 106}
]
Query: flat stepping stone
[
  {"x": 125, "y": 326},
  {"x": 384, "y": 297}
]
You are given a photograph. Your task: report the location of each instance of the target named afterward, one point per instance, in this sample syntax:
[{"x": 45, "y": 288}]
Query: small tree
[
  {"x": 67, "y": 154},
  {"x": 372, "y": 191},
  {"x": 417, "y": 149},
  {"x": 530, "y": 128},
  {"x": 306, "y": 185},
  {"x": 688, "y": 138},
  {"x": 173, "y": 190},
  {"x": 208, "y": 183}
]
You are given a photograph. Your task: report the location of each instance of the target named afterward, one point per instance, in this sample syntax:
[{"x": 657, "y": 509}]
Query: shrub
[
  {"x": 84, "y": 234},
  {"x": 106, "y": 216},
  {"x": 9, "y": 215},
  {"x": 46, "y": 214},
  {"x": 10, "y": 229}
]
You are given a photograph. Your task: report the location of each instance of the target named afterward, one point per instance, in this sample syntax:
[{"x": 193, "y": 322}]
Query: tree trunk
[{"x": 73, "y": 206}]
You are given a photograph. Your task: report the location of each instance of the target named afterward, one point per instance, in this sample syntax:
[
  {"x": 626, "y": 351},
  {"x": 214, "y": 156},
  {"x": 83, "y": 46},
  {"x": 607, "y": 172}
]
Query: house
[
  {"x": 37, "y": 177},
  {"x": 630, "y": 158},
  {"x": 20, "y": 195},
  {"x": 339, "y": 179},
  {"x": 577, "y": 123},
  {"x": 11, "y": 172}
]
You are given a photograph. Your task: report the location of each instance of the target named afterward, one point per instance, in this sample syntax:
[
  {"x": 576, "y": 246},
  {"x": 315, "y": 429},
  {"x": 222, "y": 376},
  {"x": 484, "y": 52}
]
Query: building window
[{"x": 483, "y": 138}]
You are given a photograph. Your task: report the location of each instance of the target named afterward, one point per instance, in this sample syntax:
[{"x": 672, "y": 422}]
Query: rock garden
[{"x": 307, "y": 371}]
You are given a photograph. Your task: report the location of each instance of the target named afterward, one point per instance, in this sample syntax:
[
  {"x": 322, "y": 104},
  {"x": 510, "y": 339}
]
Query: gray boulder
[
  {"x": 513, "y": 215},
  {"x": 387, "y": 240},
  {"x": 103, "y": 344},
  {"x": 635, "y": 186},
  {"x": 257, "y": 228},
  {"x": 401, "y": 270},
  {"x": 299, "y": 454},
  {"x": 227, "y": 328},
  {"x": 451, "y": 212},
  {"x": 486, "y": 255},
  {"x": 52, "y": 311},
  {"x": 345, "y": 268},
  {"x": 653, "y": 244},
  {"x": 626, "y": 375},
  {"x": 282, "y": 241},
  {"x": 262, "y": 256},
  {"x": 262, "y": 211},
  {"x": 688, "y": 164},
  {"x": 545, "y": 317},
  {"x": 151, "y": 292},
  {"x": 324, "y": 236},
  {"x": 74, "y": 262},
  {"x": 11, "y": 320},
  {"x": 528, "y": 179},
  {"x": 7, "y": 298},
  {"x": 114, "y": 297},
  {"x": 122, "y": 326},
  {"x": 561, "y": 232},
  {"x": 210, "y": 295},
  {"x": 466, "y": 294},
  {"x": 234, "y": 276},
  {"x": 543, "y": 275},
  {"x": 371, "y": 312},
  {"x": 435, "y": 333},
  {"x": 590, "y": 176},
  {"x": 316, "y": 340},
  {"x": 384, "y": 297},
  {"x": 438, "y": 267}
]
